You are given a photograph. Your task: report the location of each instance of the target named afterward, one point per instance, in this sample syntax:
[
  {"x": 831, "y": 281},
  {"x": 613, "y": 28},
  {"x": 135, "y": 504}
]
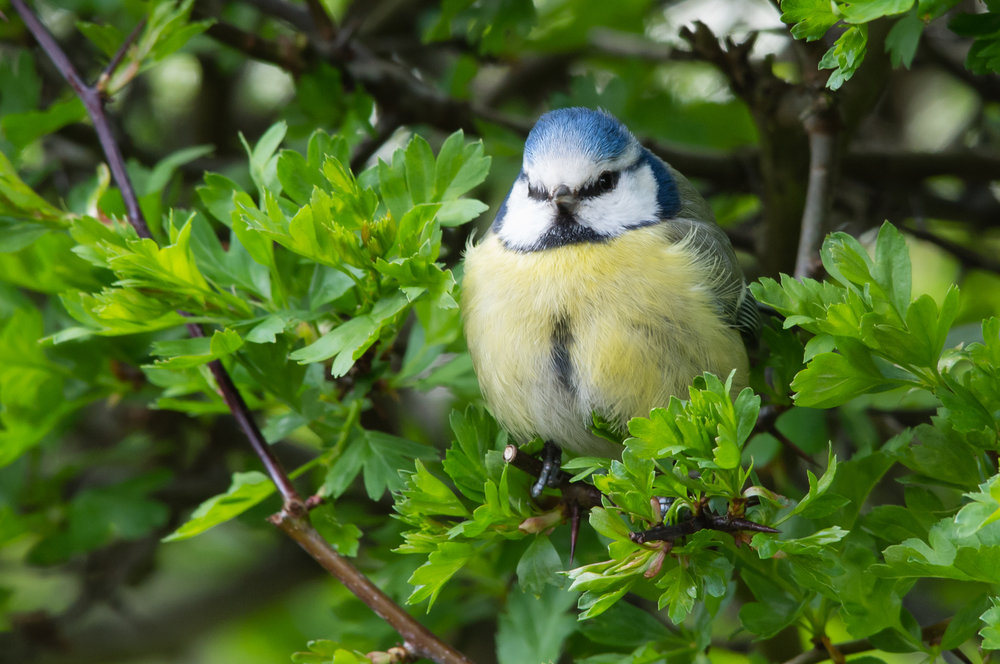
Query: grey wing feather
[{"x": 695, "y": 223}]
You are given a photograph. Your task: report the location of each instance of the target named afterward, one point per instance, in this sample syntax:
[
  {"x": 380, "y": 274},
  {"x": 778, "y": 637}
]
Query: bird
[{"x": 603, "y": 285}]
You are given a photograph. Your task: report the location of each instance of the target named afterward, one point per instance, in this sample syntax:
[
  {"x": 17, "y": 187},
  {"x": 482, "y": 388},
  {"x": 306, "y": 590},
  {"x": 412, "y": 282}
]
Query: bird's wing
[{"x": 695, "y": 225}]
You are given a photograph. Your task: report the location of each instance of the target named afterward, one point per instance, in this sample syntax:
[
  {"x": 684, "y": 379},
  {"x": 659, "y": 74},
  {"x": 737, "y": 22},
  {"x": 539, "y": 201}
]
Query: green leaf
[
  {"x": 19, "y": 201},
  {"x": 106, "y": 37},
  {"x": 465, "y": 461},
  {"x": 298, "y": 177},
  {"x": 891, "y": 269},
  {"x": 419, "y": 161},
  {"x": 21, "y": 129},
  {"x": 810, "y": 18},
  {"x": 263, "y": 161},
  {"x": 866, "y": 11},
  {"x": 533, "y": 629},
  {"x": 98, "y": 516},
  {"x": 627, "y": 626},
  {"x": 217, "y": 196},
  {"x": 991, "y": 631},
  {"x": 344, "y": 537},
  {"x": 36, "y": 393},
  {"x": 539, "y": 566},
  {"x": 349, "y": 340},
  {"x": 196, "y": 351},
  {"x": 845, "y": 56},
  {"x": 833, "y": 379},
  {"x": 426, "y": 494},
  {"x": 459, "y": 167},
  {"x": 903, "y": 39},
  {"x": 817, "y": 491},
  {"x": 768, "y": 546},
  {"x": 246, "y": 491},
  {"x": 608, "y": 524},
  {"x": 965, "y": 623},
  {"x": 381, "y": 455},
  {"x": 442, "y": 564},
  {"x": 775, "y": 608}
]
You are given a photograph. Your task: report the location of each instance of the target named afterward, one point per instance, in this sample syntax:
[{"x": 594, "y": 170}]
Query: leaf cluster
[{"x": 812, "y": 19}]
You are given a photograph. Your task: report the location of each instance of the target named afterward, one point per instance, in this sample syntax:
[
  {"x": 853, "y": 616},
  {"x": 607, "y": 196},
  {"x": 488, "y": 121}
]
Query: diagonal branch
[
  {"x": 102, "y": 80},
  {"x": 293, "y": 517},
  {"x": 92, "y": 101}
]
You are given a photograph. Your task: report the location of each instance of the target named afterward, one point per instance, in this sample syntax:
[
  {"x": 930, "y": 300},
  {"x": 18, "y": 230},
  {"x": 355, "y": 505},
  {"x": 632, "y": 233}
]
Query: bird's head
[{"x": 585, "y": 178}]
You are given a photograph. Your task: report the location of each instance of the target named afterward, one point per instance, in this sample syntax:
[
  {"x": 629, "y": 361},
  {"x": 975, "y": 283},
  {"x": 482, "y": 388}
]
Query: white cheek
[
  {"x": 526, "y": 218},
  {"x": 632, "y": 202}
]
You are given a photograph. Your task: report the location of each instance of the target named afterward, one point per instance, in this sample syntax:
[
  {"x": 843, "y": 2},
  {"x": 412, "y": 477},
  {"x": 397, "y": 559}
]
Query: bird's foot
[{"x": 550, "y": 474}]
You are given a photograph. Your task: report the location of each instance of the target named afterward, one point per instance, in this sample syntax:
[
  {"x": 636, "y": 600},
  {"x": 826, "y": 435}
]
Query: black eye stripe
[
  {"x": 604, "y": 183},
  {"x": 537, "y": 193}
]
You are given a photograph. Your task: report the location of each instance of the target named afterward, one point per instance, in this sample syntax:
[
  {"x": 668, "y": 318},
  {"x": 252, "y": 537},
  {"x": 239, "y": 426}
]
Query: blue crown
[{"x": 596, "y": 135}]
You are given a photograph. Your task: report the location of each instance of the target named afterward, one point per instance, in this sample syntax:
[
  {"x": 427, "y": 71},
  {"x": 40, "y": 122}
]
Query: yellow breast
[{"x": 615, "y": 327}]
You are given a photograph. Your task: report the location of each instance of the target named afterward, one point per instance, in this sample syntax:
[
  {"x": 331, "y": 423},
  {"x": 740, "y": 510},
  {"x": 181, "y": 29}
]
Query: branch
[
  {"x": 417, "y": 638},
  {"x": 105, "y": 77},
  {"x": 324, "y": 24},
  {"x": 906, "y": 167},
  {"x": 822, "y": 127},
  {"x": 585, "y": 495},
  {"x": 968, "y": 257},
  {"x": 284, "y": 54},
  {"x": 293, "y": 517},
  {"x": 92, "y": 101},
  {"x": 238, "y": 407}
]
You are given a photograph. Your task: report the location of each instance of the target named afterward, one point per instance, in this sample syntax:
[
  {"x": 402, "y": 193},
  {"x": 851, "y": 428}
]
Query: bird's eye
[{"x": 606, "y": 181}]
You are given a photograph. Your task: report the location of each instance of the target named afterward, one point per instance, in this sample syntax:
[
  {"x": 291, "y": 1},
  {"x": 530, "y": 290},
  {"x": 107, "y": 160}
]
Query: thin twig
[
  {"x": 238, "y": 407},
  {"x": 102, "y": 80},
  {"x": 281, "y": 53},
  {"x": 94, "y": 104},
  {"x": 822, "y": 128},
  {"x": 95, "y": 107}
]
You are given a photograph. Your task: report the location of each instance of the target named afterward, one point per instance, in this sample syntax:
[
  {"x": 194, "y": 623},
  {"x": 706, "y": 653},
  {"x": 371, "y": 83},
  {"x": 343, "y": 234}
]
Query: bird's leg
[{"x": 551, "y": 467}]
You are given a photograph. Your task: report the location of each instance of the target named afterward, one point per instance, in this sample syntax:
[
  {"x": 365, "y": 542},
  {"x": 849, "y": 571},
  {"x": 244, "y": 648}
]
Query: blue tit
[{"x": 603, "y": 285}]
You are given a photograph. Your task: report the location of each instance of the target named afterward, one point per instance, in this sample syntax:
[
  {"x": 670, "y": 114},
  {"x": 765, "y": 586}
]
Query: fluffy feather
[{"x": 591, "y": 294}]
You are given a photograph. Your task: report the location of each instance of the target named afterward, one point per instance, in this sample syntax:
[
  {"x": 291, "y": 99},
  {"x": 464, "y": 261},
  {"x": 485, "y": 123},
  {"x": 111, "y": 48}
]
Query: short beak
[{"x": 564, "y": 198}]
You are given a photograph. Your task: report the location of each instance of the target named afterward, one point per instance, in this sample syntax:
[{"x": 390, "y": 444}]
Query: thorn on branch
[{"x": 704, "y": 521}]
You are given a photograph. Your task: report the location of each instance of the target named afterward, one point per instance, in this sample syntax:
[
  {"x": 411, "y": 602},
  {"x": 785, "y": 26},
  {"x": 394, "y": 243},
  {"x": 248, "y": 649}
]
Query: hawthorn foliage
[{"x": 317, "y": 242}]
